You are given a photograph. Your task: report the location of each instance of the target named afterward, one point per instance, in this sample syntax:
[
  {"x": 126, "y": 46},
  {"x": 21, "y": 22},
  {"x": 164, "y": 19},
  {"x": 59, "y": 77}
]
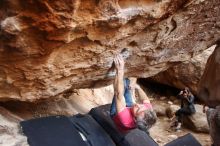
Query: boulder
[
  {"x": 160, "y": 109},
  {"x": 70, "y": 103},
  {"x": 213, "y": 116},
  {"x": 209, "y": 87},
  {"x": 170, "y": 111},
  {"x": 10, "y": 132},
  {"x": 186, "y": 74},
  {"x": 209, "y": 92},
  {"x": 198, "y": 121},
  {"x": 50, "y": 47}
]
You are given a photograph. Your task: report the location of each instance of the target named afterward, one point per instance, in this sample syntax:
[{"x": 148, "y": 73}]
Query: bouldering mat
[
  {"x": 186, "y": 140},
  {"x": 94, "y": 134},
  {"x": 52, "y": 131}
]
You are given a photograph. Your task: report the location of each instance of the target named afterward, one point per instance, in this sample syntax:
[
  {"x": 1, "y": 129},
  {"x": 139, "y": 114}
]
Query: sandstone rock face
[
  {"x": 209, "y": 89},
  {"x": 10, "y": 133},
  {"x": 49, "y": 47},
  {"x": 186, "y": 74},
  {"x": 171, "y": 110},
  {"x": 160, "y": 109},
  {"x": 209, "y": 92},
  {"x": 71, "y": 103},
  {"x": 213, "y": 117}
]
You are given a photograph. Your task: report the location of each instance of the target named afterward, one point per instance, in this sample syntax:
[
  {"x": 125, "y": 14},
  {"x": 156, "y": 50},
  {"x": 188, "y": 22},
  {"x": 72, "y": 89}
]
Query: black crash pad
[
  {"x": 135, "y": 137},
  {"x": 51, "y": 131},
  {"x": 95, "y": 135},
  {"x": 186, "y": 140}
]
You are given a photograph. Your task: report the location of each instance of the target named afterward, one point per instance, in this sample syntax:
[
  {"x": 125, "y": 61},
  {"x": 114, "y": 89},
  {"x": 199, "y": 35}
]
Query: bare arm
[
  {"x": 142, "y": 95},
  {"x": 133, "y": 83},
  {"x": 205, "y": 108},
  {"x": 119, "y": 83}
]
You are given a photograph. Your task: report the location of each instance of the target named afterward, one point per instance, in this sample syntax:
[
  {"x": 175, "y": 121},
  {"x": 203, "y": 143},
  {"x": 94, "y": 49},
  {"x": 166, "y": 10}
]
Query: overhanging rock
[
  {"x": 209, "y": 89},
  {"x": 48, "y": 47}
]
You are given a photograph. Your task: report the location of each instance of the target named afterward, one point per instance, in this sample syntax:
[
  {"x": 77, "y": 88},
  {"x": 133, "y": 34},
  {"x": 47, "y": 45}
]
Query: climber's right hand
[{"x": 119, "y": 63}]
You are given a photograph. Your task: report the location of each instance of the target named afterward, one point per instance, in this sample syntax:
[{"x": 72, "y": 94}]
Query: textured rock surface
[
  {"x": 186, "y": 74},
  {"x": 170, "y": 111},
  {"x": 213, "y": 117},
  {"x": 72, "y": 102},
  {"x": 209, "y": 89},
  {"x": 10, "y": 133},
  {"x": 48, "y": 47},
  {"x": 198, "y": 121},
  {"x": 160, "y": 109}
]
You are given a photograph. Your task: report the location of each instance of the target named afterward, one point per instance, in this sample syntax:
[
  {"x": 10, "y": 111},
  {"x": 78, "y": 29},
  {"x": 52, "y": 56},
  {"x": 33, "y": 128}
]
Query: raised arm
[
  {"x": 119, "y": 83},
  {"x": 142, "y": 95},
  {"x": 191, "y": 99}
]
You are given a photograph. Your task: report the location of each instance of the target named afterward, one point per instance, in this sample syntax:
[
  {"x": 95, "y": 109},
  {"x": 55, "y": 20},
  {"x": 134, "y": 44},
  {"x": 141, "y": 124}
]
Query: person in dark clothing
[{"x": 187, "y": 106}]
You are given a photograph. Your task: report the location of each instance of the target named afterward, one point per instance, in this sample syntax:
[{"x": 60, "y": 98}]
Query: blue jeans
[{"x": 127, "y": 95}]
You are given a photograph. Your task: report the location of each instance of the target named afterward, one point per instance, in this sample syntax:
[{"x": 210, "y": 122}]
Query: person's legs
[
  {"x": 178, "y": 122},
  {"x": 127, "y": 93},
  {"x": 179, "y": 114}
]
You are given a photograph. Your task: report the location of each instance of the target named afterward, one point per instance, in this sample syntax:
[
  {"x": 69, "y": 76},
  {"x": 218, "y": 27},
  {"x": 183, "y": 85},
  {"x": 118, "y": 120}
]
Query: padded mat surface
[
  {"x": 51, "y": 131},
  {"x": 186, "y": 140},
  {"x": 94, "y": 133}
]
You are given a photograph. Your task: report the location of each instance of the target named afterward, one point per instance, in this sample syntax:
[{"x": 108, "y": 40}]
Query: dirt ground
[{"x": 162, "y": 133}]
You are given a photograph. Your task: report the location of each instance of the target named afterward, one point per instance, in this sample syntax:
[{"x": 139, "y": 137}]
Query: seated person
[
  {"x": 125, "y": 113},
  {"x": 187, "y": 106}
]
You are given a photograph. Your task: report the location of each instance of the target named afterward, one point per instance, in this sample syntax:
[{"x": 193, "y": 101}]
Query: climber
[
  {"x": 187, "y": 107},
  {"x": 125, "y": 113}
]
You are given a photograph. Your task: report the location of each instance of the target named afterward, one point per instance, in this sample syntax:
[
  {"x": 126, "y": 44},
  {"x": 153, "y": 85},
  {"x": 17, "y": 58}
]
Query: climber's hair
[
  {"x": 186, "y": 90},
  {"x": 147, "y": 121}
]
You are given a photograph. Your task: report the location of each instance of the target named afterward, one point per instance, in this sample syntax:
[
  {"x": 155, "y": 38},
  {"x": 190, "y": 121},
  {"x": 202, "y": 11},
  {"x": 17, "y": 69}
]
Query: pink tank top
[{"x": 125, "y": 120}]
